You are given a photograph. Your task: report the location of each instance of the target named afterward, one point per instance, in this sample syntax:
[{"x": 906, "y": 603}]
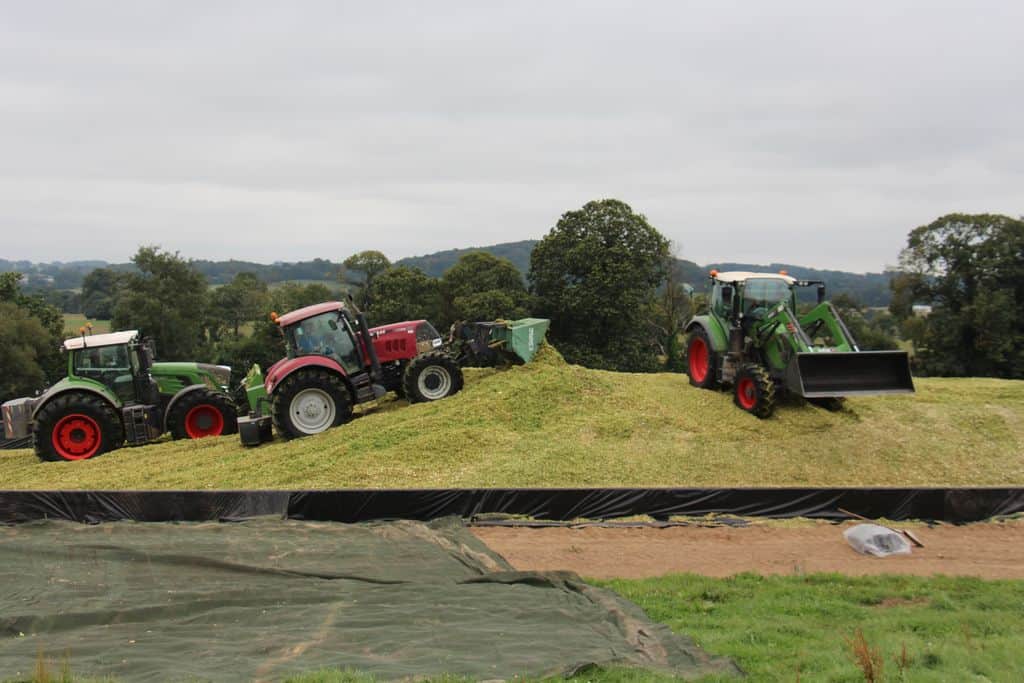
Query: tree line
[{"x": 609, "y": 281}]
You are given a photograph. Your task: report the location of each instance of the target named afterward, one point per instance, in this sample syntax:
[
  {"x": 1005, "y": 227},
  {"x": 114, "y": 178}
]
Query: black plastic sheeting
[{"x": 941, "y": 504}]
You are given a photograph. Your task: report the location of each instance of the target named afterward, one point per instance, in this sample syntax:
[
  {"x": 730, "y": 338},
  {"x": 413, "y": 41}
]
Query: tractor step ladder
[{"x": 136, "y": 427}]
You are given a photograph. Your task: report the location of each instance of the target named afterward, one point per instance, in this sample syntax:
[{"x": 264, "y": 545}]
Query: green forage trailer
[{"x": 114, "y": 394}]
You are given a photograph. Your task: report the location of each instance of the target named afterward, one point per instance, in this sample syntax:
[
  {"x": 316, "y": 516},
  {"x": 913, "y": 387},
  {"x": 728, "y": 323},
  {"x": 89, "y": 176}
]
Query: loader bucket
[
  {"x": 858, "y": 373},
  {"x": 523, "y": 337}
]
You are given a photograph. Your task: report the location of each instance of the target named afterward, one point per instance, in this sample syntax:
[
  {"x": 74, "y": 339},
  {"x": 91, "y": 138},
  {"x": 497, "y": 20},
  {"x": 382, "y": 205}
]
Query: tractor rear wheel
[
  {"x": 754, "y": 391},
  {"x": 310, "y": 401},
  {"x": 202, "y": 413},
  {"x": 76, "y": 426},
  {"x": 431, "y": 376},
  {"x": 700, "y": 360}
]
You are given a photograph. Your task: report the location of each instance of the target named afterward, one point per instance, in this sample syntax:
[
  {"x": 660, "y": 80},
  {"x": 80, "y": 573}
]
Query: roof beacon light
[{"x": 714, "y": 273}]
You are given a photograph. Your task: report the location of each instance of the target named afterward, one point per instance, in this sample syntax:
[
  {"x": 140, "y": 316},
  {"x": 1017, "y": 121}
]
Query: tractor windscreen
[
  {"x": 327, "y": 334},
  {"x": 427, "y": 337},
  {"x": 760, "y": 294}
]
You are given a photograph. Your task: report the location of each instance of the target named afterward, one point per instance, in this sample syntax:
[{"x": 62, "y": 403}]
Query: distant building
[{"x": 921, "y": 310}]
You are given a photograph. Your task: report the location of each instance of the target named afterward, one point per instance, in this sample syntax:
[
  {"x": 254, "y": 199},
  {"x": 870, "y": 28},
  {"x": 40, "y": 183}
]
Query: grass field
[
  {"x": 553, "y": 424},
  {"x": 805, "y": 628},
  {"x": 73, "y": 321}
]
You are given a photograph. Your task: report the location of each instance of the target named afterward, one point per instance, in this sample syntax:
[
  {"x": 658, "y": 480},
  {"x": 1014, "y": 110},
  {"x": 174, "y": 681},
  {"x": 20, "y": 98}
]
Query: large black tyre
[
  {"x": 431, "y": 377},
  {"x": 202, "y": 413},
  {"x": 701, "y": 361},
  {"x": 310, "y": 401},
  {"x": 76, "y": 426},
  {"x": 754, "y": 391}
]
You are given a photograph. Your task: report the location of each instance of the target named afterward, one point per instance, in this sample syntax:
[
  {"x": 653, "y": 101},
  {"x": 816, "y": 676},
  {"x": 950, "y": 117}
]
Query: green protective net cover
[{"x": 268, "y": 598}]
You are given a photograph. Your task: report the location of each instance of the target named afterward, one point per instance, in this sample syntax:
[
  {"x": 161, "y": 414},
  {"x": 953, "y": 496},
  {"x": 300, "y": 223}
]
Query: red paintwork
[
  {"x": 746, "y": 392},
  {"x": 308, "y": 312},
  {"x": 396, "y": 341},
  {"x": 698, "y": 356},
  {"x": 194, "y": 421},
  {"x": 76, "y": 437},
  {"x": 282, "y": 368}
]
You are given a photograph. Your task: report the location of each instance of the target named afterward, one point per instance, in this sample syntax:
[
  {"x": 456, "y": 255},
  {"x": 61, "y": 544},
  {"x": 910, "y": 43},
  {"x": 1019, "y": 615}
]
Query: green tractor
[
  {"x": 115, "y": 394},
  {"x": 752, "y": 339}
]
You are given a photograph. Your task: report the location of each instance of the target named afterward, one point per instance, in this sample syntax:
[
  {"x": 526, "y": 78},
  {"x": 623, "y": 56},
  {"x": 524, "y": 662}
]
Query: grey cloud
[{"x": 794, "y": 131}]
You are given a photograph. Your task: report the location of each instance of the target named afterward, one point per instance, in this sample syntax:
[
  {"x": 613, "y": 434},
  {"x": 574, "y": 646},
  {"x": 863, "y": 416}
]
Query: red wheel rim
[
  {"x": 203, "y": 420},
  {"x": 698, "y": 356},
  {"x": 746, "y": 392},
  {"x": 76, "y": 437}
]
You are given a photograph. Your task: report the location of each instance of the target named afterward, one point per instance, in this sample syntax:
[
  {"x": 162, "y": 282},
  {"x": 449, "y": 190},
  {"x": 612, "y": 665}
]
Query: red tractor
[{"x": 335, "y": 361}]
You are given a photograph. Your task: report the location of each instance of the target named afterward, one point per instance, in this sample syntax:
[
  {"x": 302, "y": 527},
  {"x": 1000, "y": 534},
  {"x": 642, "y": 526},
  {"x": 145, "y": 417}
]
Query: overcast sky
[{"x": 816, "y": 133}]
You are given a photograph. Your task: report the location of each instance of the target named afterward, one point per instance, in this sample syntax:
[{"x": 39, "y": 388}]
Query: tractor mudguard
[
  {"x": 283, "y": 368},
  {"x": 717, "y": 336},
  {"x": 192, "y": 388},
  {"x": 66, "y": 385}
]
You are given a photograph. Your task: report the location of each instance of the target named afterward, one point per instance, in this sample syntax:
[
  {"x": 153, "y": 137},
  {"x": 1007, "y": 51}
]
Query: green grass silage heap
[{"x": 553, "y": 424}]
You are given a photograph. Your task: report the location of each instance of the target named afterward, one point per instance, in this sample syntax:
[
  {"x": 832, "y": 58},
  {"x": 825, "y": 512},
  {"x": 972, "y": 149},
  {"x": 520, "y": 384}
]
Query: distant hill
[
  {"x": 435, "y": 264},
  {"x": 871, "y": 289}
]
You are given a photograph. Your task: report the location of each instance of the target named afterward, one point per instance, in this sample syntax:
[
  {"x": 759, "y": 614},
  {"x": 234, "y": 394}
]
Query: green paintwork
[
  {"x": 175, "y": 376},
  {"x": 714, "y": 329},
  {"x": 522, "y": 337},
  {"x": 77, "y": 384},
  {"x": 255, "y": 389}
]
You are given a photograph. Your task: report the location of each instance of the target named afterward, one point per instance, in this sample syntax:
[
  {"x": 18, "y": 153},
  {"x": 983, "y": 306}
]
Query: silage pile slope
[{"x": 553, "y": 424}]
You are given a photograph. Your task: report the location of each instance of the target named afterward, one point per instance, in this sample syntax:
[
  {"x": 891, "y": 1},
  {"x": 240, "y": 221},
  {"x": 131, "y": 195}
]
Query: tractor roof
[
  {"x": 308, "y": 312},
  {"x": 743, "y": 276},
  {"x": 94, "y": 340}
]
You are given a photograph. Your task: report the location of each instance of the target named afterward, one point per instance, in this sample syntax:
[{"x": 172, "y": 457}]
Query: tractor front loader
[
  {"x": 501, "y": 342},
  {"x": 752, "y": 339},
  {"x": 115, "y": 394}
]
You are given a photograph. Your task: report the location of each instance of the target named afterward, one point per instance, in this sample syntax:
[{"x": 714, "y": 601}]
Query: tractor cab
[
  {"x": 120, "y": 361},
  {"x": 329, "y": 332}
]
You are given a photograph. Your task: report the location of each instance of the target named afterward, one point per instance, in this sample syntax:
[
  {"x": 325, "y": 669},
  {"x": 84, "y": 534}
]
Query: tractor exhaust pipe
[
  {"x": 860, "y": 373},
  {"x": 376, "y": 374}
]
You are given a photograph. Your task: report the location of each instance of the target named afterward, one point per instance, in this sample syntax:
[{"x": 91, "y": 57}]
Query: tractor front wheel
[
  {"x": 76, "y": 426},
  {"x": 700, "y": 360},
  {"x": 431, "y": 376},
  {"x": 310, "y": 401},
  {"x": 754, "y": 391},
  {"x": 202, "y": 413}
]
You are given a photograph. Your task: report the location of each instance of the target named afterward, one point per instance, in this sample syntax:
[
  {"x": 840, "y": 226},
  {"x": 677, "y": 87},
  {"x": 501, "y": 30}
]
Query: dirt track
[{"x": 992, "y": 551}]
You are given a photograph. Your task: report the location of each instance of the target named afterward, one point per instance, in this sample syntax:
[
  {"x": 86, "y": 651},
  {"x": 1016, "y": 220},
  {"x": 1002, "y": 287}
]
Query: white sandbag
[{"x": 871, "y": 539}]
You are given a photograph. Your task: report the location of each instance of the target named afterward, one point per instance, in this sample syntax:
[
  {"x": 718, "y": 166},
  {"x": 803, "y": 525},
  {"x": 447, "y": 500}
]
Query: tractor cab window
[
  {"x": 327, "y": 334},
  {"x": 721, "y": 304},
  {"x": 427, "y": 338},
  {"x": 108, "y": 365},
  {"x": 761, "y": 294}
]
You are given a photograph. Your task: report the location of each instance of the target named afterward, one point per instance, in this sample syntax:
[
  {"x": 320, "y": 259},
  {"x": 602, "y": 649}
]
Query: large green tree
[
  {"x": 403, "y": 293},
  {"x": 166, "y": 299},
  {"x": 595, "y": 274},
  {"x": 359, "y": 272},
  {"x": 99, "y": 293},
  {"x": 481, "y": 286},
  {"x": 245, "y": 299},
  {"x": 970, "y": 269},
  {"x": 30, "y": 339}
]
